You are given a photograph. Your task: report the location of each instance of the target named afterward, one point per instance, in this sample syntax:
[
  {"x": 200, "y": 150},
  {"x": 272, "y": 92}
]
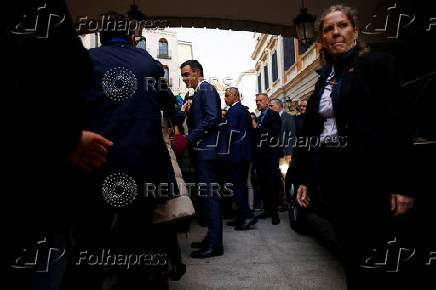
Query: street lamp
[
  {"x": 134, "y": 14},
  {"x": 305, "y": 25}
]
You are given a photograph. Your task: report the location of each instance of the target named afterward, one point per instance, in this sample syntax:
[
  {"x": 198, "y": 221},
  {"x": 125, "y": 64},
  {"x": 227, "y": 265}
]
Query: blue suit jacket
[
  {"x": 203, "y": 120},
  {"x": 132, "y": 122},
  {"x": 239, "y": 132}
]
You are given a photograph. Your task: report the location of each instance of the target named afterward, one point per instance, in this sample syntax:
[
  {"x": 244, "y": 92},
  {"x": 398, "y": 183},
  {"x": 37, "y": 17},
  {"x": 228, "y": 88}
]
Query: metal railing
[{"x": 164, "y": 54}]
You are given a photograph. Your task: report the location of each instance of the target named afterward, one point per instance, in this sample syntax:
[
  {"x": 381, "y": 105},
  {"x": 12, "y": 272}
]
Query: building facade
[
  {"x": 246, "y": 84},
  {"x": 285, "y": 69}
]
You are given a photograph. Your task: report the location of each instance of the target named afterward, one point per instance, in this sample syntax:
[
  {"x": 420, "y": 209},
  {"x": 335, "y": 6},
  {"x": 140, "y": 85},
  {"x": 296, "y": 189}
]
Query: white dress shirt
[{"x": 330, "y": 132}]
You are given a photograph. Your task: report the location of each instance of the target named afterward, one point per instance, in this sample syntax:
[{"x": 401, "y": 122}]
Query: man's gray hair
[
  {"x": 233, "y": 91},
  {"x": 278, "y": 102},
  {"x": 263, "y": 94}
]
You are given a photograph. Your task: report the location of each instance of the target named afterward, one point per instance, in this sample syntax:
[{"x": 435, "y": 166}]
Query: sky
[{"x": 222, "y": 53}]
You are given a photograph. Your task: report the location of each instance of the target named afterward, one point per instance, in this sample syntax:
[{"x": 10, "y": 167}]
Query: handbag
[
  {"x": 173, "y": 210},
  {"x": 180, "y": 207}
]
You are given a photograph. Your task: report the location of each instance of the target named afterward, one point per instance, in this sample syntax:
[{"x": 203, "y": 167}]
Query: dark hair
[
  {"x": 194, "y": 64},
  {"x": 114, "y": 25},
  {"x": 351, "y": 15}
]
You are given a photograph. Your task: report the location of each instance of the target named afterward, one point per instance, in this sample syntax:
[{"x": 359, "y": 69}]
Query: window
[
  {"x": 163, "y": 47},
  {"x": 265, "y": 75},
  {"x": 167, "y": 72},
  {"x": 301, "y": 48},
  {"x": 275, "y": 69},
  {"x": 95, "y": 39},
  {"x": 259, "y": 83},
  {"x": 288, "y": 52},
  {"x": 142, "y": 43}
]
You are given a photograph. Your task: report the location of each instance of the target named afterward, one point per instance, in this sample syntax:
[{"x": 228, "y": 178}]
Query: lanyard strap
[
  {"x": 117, "y": 39},
  {"x": 262, "y": 117}
]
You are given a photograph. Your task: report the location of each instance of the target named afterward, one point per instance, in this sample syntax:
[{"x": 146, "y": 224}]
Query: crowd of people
[{"x": 105, "y": 126}]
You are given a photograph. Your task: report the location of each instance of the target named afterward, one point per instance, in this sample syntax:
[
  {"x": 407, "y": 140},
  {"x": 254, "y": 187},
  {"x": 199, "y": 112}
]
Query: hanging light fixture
[
  {"x": 134, "y": 14},
  {"x": 305, "y": 26}
]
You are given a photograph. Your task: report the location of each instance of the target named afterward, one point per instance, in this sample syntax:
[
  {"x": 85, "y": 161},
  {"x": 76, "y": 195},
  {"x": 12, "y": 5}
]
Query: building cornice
[
  {"x": 303, "y": 74},
  {"x": 250, "y": 72},
  {"x": 184, "y": 42},
  {"x": 272, "y": 43},
  {"x": 278, "y": 93},
  {"x": 258, "y": 46},
  {"x": 154, "y": 31}
]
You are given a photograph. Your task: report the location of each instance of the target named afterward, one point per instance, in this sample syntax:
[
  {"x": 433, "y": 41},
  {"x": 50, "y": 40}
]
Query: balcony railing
[
  {"x": 308, "y": 58},
  {"x": 164, "y": 54}
]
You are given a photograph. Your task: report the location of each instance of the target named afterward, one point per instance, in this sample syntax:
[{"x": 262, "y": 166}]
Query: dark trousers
[
  {"x": 127, "y": 233},
  {"x": 221, "y": 178},
  {"x": 257, "y": 193},
  {"x": 210, "y": 201},
  {"x": 238, "y": 174},
  {"x": 359, "y": 209},
  {"x": 266, "y": 166}
]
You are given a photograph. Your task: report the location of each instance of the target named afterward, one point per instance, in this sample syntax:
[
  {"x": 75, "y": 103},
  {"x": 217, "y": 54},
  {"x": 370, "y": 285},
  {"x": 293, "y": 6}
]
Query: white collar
[
  {"x": 235, "y": 103},
  {"x": 281, "y": 112},
  {"x": 199, "y": 85}
]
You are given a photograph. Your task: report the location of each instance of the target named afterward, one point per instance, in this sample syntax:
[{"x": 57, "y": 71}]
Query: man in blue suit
[
  {"x": 124, "y": 104},
  {"x": 239, "y": 132},
  {"x": 203, "y": 119},
  {"x": 267, "y": 133}
]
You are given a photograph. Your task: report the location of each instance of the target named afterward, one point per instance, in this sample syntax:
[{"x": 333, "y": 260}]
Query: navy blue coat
[
  {"x": 124, "y": 106},
  {"x": 203, "y": 120},
  {"x": 240, "y": 133},
  {"x": 267, "y": 135}
]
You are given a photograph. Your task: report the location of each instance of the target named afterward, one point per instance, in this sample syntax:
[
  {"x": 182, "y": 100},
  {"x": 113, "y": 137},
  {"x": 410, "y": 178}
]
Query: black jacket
[
  {"x": 287, "y": 134},
  {"x": 267, "y": 135},
  {"x": 368, "y": 121}
]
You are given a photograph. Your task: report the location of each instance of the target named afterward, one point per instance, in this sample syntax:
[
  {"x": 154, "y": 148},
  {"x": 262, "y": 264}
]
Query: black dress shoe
[
  {"x": 207, "y": 253},
  {"x": 245, "y": 225},
  {"x": 282, "y": 207},
  {"x": 263, "y": 215},
  {"x": 199, "y": 245},
  {"x": 178, "y": 271},
  {"x": 275, "y": 220},
  {"x": 234, "y": 222}
]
